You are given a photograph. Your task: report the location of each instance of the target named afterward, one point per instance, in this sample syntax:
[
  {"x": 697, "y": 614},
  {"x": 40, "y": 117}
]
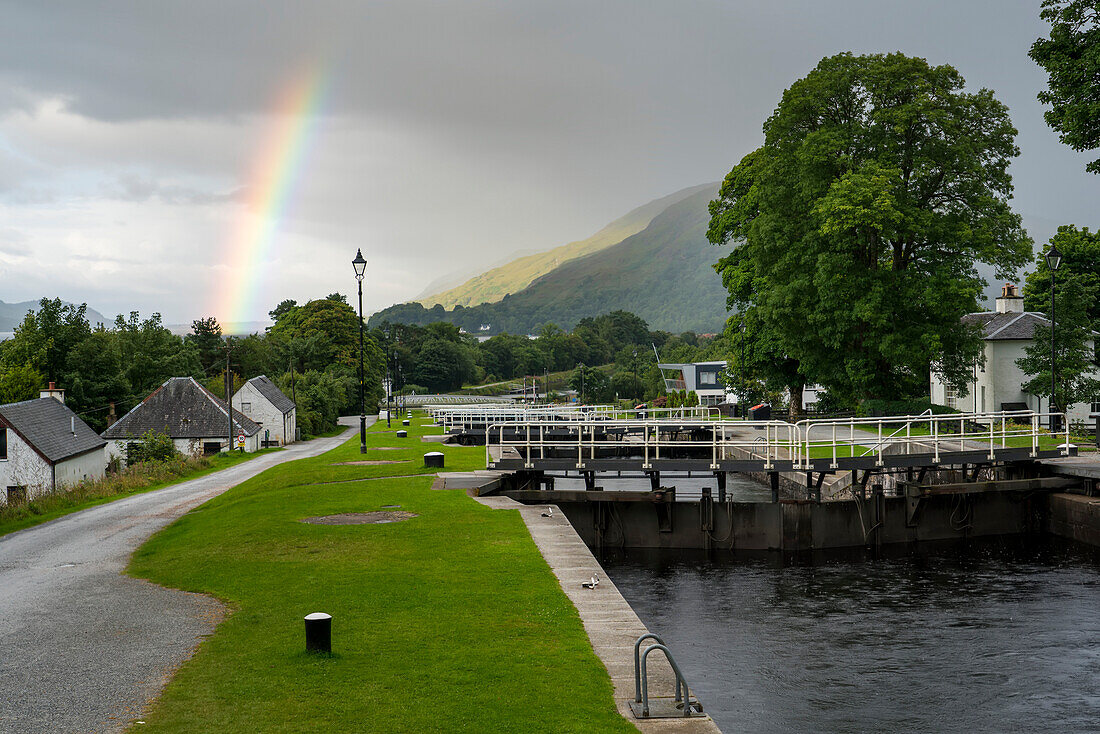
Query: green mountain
[
  {"x": 493, "y": 285},
  {"x": 664, "y": 274}
]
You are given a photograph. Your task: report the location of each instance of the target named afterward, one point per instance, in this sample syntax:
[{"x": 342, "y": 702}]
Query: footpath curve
[{"x": 84, "y": 648}]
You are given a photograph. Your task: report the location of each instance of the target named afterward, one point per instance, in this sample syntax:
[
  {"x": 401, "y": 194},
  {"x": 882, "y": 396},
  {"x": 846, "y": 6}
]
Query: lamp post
[
  {"x": 360, "y": 266},
  {"x": 1054, "y": 259},
  {"x": 581, "y": 365},
  {"x": 741, "y": 370},
  {"x": 634, "y": 365}
]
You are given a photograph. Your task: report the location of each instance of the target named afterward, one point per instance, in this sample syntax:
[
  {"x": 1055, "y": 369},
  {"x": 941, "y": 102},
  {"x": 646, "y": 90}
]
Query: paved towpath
[{"x": 84, "y": 648}]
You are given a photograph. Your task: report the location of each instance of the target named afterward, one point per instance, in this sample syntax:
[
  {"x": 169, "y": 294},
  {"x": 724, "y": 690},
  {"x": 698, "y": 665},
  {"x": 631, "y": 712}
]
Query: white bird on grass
[
  {"x": 549, "y": 512},
  {"x": 593, "y": 583}
]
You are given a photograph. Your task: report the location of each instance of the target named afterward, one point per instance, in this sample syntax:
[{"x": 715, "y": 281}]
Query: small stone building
[
  {"x": 44, "y": 446},
  {"x": 196, "y": 419},
  {"x": 267, "y": 405}
]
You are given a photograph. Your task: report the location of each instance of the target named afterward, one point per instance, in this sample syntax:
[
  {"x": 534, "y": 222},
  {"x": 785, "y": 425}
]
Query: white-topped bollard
[
  {"x": 433, "y": 459},
  {"x": 402, "y": 434},
  {"x": 318, "y": 632}
]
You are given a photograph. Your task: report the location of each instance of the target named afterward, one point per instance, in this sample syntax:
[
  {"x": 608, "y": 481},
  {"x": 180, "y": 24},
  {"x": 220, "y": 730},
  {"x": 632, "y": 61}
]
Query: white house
[
  {"x": 267, "y": 405},
  {"x": 195, "y": 419},
  {"x": 996, "y": 385},
  {"x": 44, "y": 447},
  {"x": 704, "y": 378}
]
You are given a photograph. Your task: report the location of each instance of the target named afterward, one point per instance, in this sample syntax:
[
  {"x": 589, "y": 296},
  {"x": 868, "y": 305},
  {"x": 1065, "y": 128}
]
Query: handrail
[{"x": 641, "y": 669}]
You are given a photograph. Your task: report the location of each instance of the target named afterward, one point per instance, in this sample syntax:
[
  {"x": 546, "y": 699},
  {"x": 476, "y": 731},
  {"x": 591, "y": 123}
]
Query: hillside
[
  {"x": 664, "y": 274},
  {"x": 12, "y": 314},
  {"x": 493, "y": 285}
]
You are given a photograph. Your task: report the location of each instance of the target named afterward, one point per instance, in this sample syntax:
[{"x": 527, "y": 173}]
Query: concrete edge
[{"x": 609, "y": 620}]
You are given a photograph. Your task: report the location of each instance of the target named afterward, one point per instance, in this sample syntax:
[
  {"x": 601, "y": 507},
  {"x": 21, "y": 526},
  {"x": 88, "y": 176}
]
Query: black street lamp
[
  {"x": 1054, "y": 259},
  {"x": 581, "y": 365},
  {"x": 360, "y": 266},
  {"x": 741, "y": 370}
]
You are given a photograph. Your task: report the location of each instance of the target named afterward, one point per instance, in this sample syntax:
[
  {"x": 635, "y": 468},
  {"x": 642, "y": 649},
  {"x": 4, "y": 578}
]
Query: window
[
  {"x": 1095, "y": 405},
  {"x": 708, "y": 378},
  {"x": 983, "y": 399},
  {"x": 3, "y": 444},
  {"x": 17, "y": 494},
  {"x": 950, "y": 397},
  {"x": 246, "y": 407}
]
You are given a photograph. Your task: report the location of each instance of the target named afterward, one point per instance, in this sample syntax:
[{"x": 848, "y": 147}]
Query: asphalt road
[{"x": 84, "y": 648}]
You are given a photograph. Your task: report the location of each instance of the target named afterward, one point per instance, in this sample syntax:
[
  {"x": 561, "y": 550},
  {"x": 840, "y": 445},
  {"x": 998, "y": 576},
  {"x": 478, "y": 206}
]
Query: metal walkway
[{"x": 595, "y": 443}]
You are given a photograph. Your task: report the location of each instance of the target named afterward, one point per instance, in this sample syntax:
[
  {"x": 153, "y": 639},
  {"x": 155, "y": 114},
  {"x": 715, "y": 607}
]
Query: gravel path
[{"x": 84, "y": 648}]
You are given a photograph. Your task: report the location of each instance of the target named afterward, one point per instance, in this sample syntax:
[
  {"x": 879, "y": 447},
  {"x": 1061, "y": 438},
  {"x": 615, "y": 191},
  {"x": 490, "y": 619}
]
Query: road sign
[{"x": 240, "y": 438}]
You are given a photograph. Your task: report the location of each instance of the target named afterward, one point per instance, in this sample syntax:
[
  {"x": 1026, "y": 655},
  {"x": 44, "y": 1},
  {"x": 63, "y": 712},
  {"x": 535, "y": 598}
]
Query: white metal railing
[
  {"x": 655, "y": 438},
  {"x": 923, "y": 434},
  {"x": 469, "y": 417}
]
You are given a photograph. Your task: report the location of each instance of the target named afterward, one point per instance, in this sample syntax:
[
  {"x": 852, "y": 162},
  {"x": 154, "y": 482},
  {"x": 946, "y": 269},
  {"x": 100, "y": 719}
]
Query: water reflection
[{"x": 999, "y": 636}]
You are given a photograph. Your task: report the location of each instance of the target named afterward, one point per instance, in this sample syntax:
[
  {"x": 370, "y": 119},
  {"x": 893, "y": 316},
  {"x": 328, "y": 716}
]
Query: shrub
[{"x": 152, "y": 446}]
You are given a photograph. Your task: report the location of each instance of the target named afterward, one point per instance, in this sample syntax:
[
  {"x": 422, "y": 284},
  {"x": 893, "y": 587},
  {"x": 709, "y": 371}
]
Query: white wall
[
  {"x": 91, "y": 465},
  {"x": 267, "y": 415},
  {"x": 23, "y": 467},
  {"x": 187, "y": 446}
]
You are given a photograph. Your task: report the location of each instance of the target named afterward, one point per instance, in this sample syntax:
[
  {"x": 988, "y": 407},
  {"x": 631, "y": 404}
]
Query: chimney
[
  {"x": 53, "y": 391},
  {"x": 111, "y": 415},
  {"x": 1010, "y": 301}
]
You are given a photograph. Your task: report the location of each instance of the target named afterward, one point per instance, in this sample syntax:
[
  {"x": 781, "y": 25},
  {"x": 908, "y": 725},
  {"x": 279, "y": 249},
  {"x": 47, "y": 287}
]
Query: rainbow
[{"x": 276, "y": 170}]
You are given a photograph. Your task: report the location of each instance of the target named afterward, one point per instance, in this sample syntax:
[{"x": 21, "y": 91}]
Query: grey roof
[
  {"x": 274, "y": 395},
  {"x": 48, "y": 425},
  {"x": 1005, "y": 326},
  {"x": 182, "y": 408}
]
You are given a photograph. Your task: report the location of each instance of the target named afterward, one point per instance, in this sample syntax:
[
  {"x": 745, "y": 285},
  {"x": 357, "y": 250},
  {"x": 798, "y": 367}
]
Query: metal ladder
[{"x": 683, "y": 706}]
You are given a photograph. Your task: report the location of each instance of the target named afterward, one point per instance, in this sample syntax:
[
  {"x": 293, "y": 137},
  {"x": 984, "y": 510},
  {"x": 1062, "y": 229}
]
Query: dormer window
[{"x": 246, "y": 407}]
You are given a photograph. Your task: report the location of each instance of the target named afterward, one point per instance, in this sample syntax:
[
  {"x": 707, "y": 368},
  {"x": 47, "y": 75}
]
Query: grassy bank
[
  {"x": 136, "y": 479},
  {"x": 449, "y": 621}
]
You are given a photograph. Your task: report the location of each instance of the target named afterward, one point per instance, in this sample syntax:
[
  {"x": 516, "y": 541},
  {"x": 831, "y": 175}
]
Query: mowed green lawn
[{"x": 450, "y": 621}]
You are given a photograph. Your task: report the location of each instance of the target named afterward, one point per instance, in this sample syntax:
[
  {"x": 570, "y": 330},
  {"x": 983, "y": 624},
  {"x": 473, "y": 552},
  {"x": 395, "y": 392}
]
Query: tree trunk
[{"x": 794, "y": 397}]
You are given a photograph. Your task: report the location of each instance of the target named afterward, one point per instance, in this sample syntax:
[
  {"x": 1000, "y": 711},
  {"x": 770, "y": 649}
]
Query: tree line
[{"x": 311, "y": 353}]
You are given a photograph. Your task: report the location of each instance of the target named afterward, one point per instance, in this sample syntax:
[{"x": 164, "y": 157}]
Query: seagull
[
  {"x": 549, "y": 512},
  {"x": 593, "y": 583}
]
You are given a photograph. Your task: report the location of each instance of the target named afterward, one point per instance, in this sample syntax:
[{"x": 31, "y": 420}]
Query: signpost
[{"x": 240, "y": 439}]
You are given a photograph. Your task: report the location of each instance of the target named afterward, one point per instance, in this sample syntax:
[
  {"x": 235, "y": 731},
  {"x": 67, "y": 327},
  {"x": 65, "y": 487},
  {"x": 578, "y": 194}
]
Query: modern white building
[
  {"x": 44, "y": 447},
  {"x": 196, "y": 419},
  {"x": 997, "y": 384},
  {"x": 267, "y": 405},
  {"x": 702, "y": 378}
]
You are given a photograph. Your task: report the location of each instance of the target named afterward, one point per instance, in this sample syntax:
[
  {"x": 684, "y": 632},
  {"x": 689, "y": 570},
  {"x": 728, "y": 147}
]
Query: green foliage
[
  {"x": 591, "y": 384},
  {"x": 152, "y": 446},
  {"x": 879, "y": 186},
  {"x": 19, "y": 382},
  {"x": 1073, "y": 349},
  {"x": 1071, "y": 59},
  {"x": 1080, "y": 261},
  {"x": 206, "y": 338},
  {"x": 321, "y": 398}
]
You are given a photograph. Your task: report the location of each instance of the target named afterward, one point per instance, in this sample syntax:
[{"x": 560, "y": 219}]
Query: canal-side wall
[
  {"x": 1074, "y": 516},
  {"x": 800, "y": 525}
]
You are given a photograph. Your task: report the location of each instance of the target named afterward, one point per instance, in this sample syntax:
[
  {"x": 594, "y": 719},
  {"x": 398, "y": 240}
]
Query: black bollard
[
  {"x": 434, "y": 459},
  {"x": 405, "y": 422},
  {"x": 402, "y": 434},
  {"x": 318, "y": 632}
]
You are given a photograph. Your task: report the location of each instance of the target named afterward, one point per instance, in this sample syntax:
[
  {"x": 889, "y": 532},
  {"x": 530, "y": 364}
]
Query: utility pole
[{"x": 229, "y": 395}]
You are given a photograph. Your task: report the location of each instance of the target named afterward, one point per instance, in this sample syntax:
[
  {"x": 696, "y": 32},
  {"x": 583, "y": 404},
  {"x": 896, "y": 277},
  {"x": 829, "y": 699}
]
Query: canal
[{"x": 996, "y": 636}]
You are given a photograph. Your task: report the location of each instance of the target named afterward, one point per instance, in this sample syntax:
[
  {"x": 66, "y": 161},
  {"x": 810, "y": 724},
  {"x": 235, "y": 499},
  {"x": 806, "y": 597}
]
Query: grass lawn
[
  {"x": 449, "y": 621},
  {"x": 55, "y": 505}
]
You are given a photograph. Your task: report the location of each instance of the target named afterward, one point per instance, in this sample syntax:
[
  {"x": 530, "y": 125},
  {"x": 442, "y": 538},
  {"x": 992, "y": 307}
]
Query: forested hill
[
  {"x": 664, "y": 274},
  {"x": 12, "y": 314},
  {"x": 493, "y": 285}
]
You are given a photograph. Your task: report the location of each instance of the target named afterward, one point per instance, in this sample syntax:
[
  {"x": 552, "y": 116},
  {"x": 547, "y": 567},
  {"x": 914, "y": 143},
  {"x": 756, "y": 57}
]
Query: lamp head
[
  {"x": 360, "y": 264},
  {"x": 1054, "y": 258}
]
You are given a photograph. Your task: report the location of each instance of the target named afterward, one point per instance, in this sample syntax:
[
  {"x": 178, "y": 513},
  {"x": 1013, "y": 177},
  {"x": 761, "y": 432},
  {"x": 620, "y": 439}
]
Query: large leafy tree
[
  {"x": 1071, "y": 59},
  {"x": 879, "y": 186},
  {"x": 206, "y": 338},
  {"x": 1074, "y": 356},
  {"x": 1080, "y": 261}
]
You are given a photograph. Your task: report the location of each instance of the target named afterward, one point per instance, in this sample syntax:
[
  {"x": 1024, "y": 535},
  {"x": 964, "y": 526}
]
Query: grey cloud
[{"x": 138, "y": 188}]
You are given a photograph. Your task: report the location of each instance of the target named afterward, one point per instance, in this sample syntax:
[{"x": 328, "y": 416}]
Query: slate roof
[
  {"x": 182, "y": 408},
  {"x": 47, "y": 424},
  {"x": 1006, "y": 326},
  {"x": 274, "y": 395}
]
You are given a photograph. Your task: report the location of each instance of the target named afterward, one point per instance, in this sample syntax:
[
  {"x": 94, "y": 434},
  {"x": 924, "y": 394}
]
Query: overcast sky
[{"x": 450, "y": 135}]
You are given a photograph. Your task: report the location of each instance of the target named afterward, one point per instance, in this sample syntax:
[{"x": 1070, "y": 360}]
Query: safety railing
[
  {"x": 925, "y": 434},
  {"x": 651, "y": 439},
  {"x": 683, "y": 704},
  {"x": 471, "y": 417}
]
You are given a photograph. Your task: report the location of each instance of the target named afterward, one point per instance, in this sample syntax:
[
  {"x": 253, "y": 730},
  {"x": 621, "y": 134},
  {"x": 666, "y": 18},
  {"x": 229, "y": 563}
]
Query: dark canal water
[{"x": 998, "y": 636}]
